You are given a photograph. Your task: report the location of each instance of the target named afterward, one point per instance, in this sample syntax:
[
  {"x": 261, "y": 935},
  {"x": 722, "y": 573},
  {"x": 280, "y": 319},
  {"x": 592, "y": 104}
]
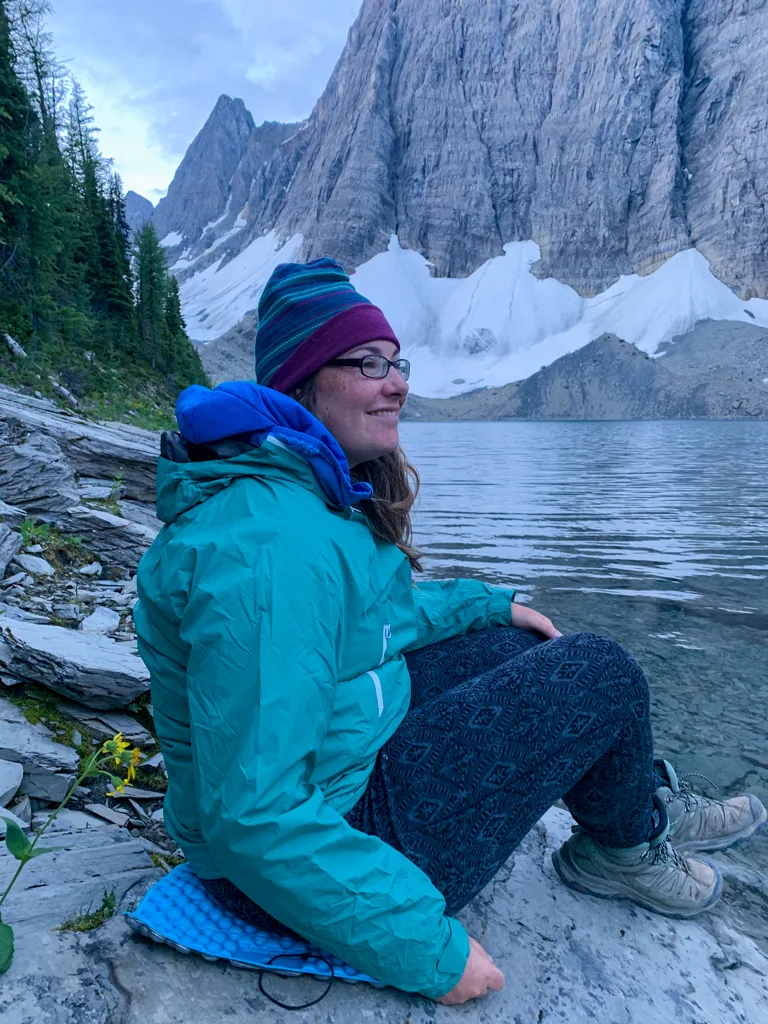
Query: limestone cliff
[{"x": 614, "y": 135}]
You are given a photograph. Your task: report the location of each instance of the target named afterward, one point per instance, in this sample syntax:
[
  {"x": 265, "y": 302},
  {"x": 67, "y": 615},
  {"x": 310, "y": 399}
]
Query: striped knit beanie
[{"x": 310, "y": 313}]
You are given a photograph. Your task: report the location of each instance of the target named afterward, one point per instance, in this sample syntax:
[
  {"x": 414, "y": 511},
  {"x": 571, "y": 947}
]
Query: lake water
[{"x": 653, "y": 533}]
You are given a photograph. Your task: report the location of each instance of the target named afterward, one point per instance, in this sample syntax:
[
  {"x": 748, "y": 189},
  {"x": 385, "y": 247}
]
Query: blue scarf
[{"x": 245, "y": 410}]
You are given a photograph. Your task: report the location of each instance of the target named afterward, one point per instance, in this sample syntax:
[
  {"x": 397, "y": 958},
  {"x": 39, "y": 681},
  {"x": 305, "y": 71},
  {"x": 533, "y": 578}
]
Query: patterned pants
[{"x": 501, "y": 726}]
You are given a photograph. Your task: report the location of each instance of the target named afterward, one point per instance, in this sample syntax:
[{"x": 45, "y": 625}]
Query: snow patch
[
  {"x": 172, "y": 238},
  {"x": 218, "y": 297},
  {"x": 217, "y": 220},
  {"x": 502, "y": 324},
  {"x": 498, "y": 325}
]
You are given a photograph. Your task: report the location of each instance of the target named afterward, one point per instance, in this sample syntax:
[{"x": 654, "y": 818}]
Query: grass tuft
[{"x": 88, "y": 920}]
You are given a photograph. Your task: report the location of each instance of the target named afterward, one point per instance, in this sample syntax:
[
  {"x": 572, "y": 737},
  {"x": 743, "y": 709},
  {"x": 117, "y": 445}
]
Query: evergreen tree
[
  {"x": 56, "y": 307},
  {"x": 67, "y": 289},
  {"x": 17, "y": 118},
  {"x": 183, "y": 361},
  {"x": 121, "y": 285},
  {"x": 151, "y": 290},
  {"x": 42, "y": 74}
]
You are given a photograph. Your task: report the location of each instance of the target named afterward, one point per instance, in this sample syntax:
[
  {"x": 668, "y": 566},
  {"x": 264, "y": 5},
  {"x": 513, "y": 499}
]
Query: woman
[{"x": 351, "y": 755}]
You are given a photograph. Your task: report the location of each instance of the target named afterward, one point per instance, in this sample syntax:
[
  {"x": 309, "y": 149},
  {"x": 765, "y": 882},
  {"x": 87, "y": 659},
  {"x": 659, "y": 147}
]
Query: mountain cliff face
[
  {"x": 138, "y": 210},
  {"x": 453, "y": 134},
  {"x": 222, "y": 178},
  {"x": 613, "y": 135},
  {"x": 197, "y": 196}
]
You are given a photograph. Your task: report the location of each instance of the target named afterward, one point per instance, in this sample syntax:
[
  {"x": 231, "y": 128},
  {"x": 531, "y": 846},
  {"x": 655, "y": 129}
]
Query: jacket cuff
[
  {"x": 500, "y": 606},
  {"x": 453, "y": 960}
]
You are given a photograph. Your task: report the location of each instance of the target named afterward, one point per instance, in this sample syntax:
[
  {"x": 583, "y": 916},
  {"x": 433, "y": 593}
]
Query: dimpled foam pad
[{"x": 179, "y": 912}]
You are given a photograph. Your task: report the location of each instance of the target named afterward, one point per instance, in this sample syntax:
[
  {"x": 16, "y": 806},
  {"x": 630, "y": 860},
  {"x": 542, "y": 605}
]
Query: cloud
[{"x": 153, "y": 69}]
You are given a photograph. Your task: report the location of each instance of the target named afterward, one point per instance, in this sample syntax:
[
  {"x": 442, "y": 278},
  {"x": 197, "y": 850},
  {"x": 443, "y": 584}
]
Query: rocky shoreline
[{"x": 75, "y": 516}]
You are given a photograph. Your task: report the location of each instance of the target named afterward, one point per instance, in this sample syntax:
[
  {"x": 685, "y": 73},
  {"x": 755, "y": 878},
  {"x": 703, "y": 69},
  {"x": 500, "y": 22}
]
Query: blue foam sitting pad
[{"x": 179, "y": 911}]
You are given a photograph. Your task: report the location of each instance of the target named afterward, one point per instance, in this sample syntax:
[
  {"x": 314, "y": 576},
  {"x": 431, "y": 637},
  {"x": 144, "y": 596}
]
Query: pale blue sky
[{"x": 153, "y": 69}]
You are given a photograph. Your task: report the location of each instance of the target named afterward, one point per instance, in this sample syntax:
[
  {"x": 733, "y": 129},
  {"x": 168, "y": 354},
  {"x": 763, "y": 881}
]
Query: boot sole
[
  {"x": 605, "y": 890},
  {"x": 727, "y": 842}
]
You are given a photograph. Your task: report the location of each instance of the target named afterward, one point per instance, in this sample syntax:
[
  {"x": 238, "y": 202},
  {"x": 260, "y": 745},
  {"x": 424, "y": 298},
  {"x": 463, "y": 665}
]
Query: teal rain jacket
[{"x": 274, "y": 624}]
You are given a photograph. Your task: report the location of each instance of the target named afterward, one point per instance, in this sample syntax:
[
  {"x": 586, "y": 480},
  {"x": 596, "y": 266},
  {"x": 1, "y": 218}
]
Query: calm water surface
[{"x": 653, "y": 533}]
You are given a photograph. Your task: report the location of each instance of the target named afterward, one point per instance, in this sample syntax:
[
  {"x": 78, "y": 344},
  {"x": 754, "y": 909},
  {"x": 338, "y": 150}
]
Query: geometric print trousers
[{"x": 501, "y": 725}]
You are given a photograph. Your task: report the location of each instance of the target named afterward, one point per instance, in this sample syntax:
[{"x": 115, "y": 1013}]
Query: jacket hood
[{"x": 246, "y": 411}]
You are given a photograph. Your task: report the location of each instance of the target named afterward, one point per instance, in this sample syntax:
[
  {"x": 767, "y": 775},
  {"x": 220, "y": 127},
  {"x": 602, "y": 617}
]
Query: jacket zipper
[{"x": 386, "y": 633}]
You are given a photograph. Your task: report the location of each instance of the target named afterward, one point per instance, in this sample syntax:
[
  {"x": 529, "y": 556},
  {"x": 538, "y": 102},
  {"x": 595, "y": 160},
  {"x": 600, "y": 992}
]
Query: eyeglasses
[{"x": 376, "y": 366}]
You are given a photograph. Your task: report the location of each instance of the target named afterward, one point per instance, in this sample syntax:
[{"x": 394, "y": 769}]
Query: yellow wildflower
[
  {"x": 118, "y": 786},
  {"x": 115, "y": 747},
  {"x": 135, "y": 756}
]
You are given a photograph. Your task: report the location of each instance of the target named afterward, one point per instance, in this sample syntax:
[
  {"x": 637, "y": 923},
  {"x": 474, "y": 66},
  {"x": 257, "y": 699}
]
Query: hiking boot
[
  {"x": 652, "y": 874},
  {"x": 698, "y": 824}
]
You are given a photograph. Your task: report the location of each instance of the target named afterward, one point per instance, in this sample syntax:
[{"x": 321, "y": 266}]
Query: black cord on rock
[{"x": 304, "y": 957}]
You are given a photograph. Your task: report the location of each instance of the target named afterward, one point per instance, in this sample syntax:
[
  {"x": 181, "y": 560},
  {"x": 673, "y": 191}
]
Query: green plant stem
[{"x": 89, "y": 766}]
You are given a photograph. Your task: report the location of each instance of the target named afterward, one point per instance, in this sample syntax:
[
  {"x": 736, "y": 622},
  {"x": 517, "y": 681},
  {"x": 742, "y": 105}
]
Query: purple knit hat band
[{"x": 348, "y": 329}]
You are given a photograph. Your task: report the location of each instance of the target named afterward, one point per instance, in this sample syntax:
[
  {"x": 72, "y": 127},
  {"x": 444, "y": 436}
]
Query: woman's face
[{"x": 362, "y": 413}]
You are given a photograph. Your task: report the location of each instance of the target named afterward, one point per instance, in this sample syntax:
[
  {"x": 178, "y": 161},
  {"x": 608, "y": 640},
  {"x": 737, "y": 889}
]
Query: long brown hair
[{"x": 395, "y": 484}]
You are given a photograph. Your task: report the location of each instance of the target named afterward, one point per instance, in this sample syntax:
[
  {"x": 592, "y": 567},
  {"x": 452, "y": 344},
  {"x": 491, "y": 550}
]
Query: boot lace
[
  {"x": 665, "y": 853},
  {"x": 692, "y": 800}
]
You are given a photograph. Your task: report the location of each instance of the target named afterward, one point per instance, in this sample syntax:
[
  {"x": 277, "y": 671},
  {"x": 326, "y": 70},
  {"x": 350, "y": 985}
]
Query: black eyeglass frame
[{"x": 403, "y": 366}]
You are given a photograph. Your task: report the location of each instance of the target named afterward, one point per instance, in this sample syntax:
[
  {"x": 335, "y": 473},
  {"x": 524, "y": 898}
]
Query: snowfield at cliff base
[{"x": 498, "y": 325}]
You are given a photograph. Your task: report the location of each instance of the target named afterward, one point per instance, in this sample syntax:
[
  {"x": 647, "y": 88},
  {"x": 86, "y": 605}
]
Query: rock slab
[
  {"x": 566, "y": 957},
  {"x": 102, "y": 450},
  {"x": 105, "y": 724},
  {"x": 86, "y": 667},
  {"x": 116, "y": 541},
  {"x": 101, "y": 620},
  {"x": 11, "y": 774},
  {"x": 49, "y": 767}
]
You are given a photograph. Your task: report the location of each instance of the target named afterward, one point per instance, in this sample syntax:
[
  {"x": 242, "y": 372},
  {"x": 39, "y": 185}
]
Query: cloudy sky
[{"x": 153, "y": 69}]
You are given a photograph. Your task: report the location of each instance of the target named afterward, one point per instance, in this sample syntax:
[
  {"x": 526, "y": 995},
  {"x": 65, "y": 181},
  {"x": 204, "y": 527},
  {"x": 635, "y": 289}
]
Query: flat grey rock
[
  {"x": 67, "y": 820},
  {"x": 67, "y": 611},
  {"x": 10, "y": 544},
  {"x": 139, "y": 512},
  {"x": 103, "y": 725},
  {"x": 11, "y": 774},
  {"x": 115, "y": 541},
  {"x": 108, "y": 814},
  {"x": 9, "y": 581},
  {"x": 35, "y": 565},
  {"x": 101, "y": 620},
  {"x": 134, "y": 793},
  {"x": 11, "y": 515},
  {"x": 35, "y": 474},
  {"x": 86, "y": 667},
  {"x": 7, "y": 815},
  {"x": 90, "y": 449},
  {"x": 567, "y": 958},
  {"x": 61, "y": 885},
  {"x": 8, "y": 611},
  {"x": 92, "y": 569},
  {"x": 49, "y": 767}
]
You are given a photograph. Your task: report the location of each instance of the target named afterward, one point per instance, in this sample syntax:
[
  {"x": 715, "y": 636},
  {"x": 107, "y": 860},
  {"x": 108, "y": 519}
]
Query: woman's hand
[
  {"x": 480, "y": 976},
  {"x": 526, "y": 618}
]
